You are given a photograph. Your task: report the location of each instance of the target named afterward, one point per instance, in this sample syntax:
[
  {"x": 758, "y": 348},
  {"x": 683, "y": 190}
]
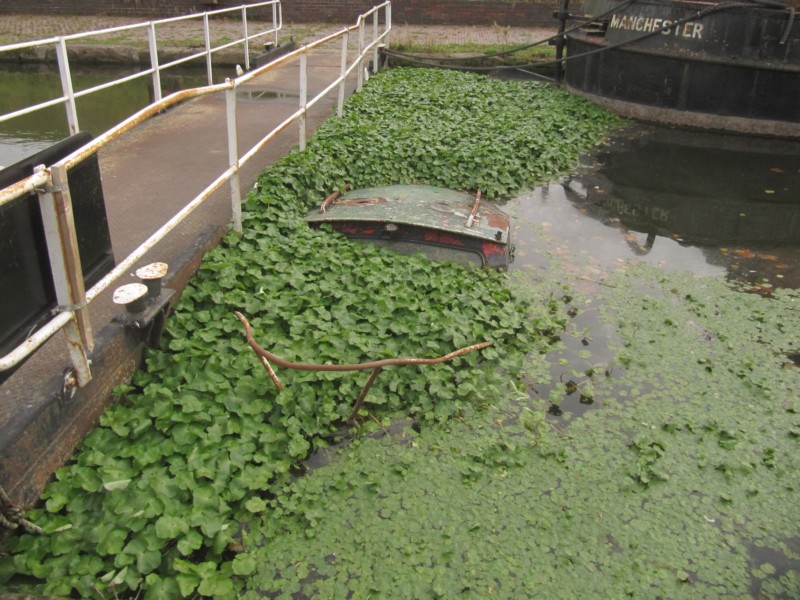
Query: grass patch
[{"x": 534, "y": 54}]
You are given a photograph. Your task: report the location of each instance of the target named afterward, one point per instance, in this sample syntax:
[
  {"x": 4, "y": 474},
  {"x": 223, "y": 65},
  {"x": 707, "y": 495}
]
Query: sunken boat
[
  {"x": 715, "y": 65},
  {"x": 443, "y": 224}
]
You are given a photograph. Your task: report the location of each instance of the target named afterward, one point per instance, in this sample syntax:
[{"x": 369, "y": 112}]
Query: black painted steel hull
[{"x": 714, "y": 66}]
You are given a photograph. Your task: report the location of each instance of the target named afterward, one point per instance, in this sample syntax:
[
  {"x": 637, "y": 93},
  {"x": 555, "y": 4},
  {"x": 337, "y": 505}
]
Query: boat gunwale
[{"x": 685, "y": 55}]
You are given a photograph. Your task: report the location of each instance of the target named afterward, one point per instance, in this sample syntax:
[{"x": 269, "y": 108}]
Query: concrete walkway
[{"x": 148, "y": 175}]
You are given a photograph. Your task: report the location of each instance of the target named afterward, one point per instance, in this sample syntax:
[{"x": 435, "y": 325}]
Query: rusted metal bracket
[
  {"x": 52, "y": 189},
  {"x": 376, "y": 366},
  {"x": 327, "y": 202},
  {"x": 69, "y": 307},
  {"x": 70, "y": 385},
  {"x": 474, "y": 212}
]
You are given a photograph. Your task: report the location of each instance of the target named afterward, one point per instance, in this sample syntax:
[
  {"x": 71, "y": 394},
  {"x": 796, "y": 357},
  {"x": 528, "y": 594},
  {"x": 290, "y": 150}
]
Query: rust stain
[
  {"x": 497, "y": 220},
  {"x": 360, "y": 201}
]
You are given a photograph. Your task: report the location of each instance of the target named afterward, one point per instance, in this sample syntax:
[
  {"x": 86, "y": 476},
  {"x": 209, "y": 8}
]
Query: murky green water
[
  {"x": 703, "y": 203},
  {"x": 680, "y": 483},
  {"x": 674, "y": 480},
  {"x": 706, "y": 204},
  {"x": 24, "y": 85}
]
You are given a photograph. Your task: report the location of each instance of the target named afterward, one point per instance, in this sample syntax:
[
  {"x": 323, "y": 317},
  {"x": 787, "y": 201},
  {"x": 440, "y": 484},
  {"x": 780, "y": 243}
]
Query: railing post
[
  {"x": 66, "y": 86},
  {"x": 360, "y": 69},
  {"x": 62, "y": 247},
  {"x": 233, "y": 157},
  {"x": 374, "y": 40},
  {"x": 303, "y": 96},
  {"x": 154, "y": 62},
  {"x": 207, "y": 33},
  {"x": 276, "y": 8},
  {"x": 246, "y": 39},
  {"x": 342, "y": 74},
  {"x": 387, "y": 25}
]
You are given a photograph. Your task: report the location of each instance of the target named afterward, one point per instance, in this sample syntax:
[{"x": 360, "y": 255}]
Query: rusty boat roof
[{"x": 419, "y": 205}]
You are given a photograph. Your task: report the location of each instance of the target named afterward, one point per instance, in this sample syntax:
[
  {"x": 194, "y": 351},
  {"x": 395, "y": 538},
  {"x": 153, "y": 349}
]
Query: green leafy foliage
[
  {"x": 471, "y": 132},
  {"x": 154, "y": 500},
  {"x": 683, "y": 485}
]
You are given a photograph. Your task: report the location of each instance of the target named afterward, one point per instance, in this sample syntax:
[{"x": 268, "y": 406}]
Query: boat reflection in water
[
  {"x": 695, "y": 201},
  {"x": 718, "y": 191}
]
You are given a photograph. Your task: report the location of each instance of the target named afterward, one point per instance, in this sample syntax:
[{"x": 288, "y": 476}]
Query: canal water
[
  {"x": 698, "y": 202},
  {"x": 710, "y": 205},
  {"x": 24, "y": 85},
  {"x": 707, "y": 204}
]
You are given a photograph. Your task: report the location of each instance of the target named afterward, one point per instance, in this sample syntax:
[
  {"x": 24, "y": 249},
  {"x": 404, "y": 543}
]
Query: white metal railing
[
  {"x": 69, "y": 96},
  {"x": 52, "y": 186}
]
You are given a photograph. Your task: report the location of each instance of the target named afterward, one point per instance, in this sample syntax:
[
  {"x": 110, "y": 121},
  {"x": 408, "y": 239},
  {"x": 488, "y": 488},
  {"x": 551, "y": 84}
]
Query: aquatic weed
[{"x": 156, "y": 498}]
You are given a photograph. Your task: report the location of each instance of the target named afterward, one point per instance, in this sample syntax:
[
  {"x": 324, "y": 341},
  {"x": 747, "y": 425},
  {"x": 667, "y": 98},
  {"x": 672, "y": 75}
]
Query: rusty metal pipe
[
  {"x": 327, "y": 202},
  {"x": 377, "y": 365},
  {"x": 387, "y": 362},
  {"x": 27, "y": 347},
  {"x": 474, "y": 212},
  {"x": 24, "y": 187},
  {"x": 159, "y": 235},
  {"x": 363, "y": 394}
]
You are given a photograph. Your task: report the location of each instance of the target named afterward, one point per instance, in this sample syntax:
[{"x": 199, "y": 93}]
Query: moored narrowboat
[{"x": 724, "y": 66}]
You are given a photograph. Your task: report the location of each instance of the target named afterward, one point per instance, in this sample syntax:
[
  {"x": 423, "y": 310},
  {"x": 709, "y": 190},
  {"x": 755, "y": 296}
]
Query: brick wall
[{"x": 415, "y": 12}]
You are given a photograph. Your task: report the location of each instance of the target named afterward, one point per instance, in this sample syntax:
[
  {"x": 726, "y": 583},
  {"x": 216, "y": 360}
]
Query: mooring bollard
[
  {"x": 133, "y": 296},
  {"x": 151, "y": 275}
]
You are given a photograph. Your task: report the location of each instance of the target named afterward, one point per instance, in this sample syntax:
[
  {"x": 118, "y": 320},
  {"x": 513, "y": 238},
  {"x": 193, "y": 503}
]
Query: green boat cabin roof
[{"x": 420, "y": 205}]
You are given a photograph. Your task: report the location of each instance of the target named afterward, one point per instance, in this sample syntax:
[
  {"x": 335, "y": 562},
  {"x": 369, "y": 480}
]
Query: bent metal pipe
[{"x": 266, "y": 356}]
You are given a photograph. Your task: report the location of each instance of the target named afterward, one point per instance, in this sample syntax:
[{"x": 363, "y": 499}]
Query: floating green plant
[
  {"x": 682, "y": 487},
  {"x": 156, "y": 499}
]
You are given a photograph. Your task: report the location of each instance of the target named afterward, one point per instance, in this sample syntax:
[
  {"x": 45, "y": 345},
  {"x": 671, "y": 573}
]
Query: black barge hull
[{"x": 713, "y": 66}]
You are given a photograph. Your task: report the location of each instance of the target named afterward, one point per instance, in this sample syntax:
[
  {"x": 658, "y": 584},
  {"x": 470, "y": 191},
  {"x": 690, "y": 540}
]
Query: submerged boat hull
[
  {"x": 712, "y": 66},
  {"x": 446, "y": 225}
]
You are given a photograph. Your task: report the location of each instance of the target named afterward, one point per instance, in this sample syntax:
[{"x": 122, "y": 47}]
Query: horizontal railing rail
[
  {"x": 60, "y": 44},
  {"x": 52, "y": 186}
]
